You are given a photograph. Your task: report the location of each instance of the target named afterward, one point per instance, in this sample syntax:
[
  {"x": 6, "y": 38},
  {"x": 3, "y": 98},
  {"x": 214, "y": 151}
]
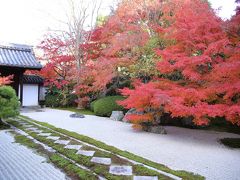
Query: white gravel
[
  {"x": 17, "y": 162},
  {"x": 197, "y": 151}
]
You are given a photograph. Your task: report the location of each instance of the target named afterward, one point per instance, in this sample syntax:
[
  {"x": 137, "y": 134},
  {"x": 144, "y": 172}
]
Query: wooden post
[{"x": 21, "y": 87}]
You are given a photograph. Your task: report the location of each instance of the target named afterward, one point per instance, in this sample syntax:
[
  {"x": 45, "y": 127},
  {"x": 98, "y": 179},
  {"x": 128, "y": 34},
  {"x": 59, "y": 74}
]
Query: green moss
[
  {"x": 183, "y": 174},
  {"x": 70, "y": 168},
  {"x": 231, "y": 142},
  {"x": 25, "y": 141},
  {"x": 105, "y": 106}
]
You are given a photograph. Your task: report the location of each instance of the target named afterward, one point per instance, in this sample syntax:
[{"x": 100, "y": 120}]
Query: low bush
[
  {"x": 105, "y": 106},
  {"x": 9, "y": 104}
]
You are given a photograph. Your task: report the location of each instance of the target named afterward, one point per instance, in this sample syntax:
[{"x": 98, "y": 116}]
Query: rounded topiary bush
[
  {"x": 9, "y": 104},
  {"x": 105, "y": 106}
]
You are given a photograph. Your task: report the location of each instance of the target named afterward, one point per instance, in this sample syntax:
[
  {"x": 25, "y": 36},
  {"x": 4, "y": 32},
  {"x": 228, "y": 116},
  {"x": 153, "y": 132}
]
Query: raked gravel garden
[{"x": 100, "y": 148}]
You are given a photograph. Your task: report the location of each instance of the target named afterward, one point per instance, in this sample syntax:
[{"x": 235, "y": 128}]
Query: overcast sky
[{"x": 26, "y": 21}]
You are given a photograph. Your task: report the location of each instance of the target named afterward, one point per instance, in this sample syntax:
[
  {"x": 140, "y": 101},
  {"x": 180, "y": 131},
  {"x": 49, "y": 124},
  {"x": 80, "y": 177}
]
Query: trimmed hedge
[{"x": 105, "y": 106}]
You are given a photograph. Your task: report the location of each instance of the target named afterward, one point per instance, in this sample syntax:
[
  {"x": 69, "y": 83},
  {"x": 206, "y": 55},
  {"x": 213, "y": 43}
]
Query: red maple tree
[{"x": 199, "y": 68}]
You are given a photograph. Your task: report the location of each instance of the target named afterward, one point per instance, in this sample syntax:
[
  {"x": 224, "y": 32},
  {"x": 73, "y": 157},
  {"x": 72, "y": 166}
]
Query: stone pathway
[
  {"x": 20, "y": 163},
  {"x": 123, "y": 170},
  {"x": 197, "y": 151}
]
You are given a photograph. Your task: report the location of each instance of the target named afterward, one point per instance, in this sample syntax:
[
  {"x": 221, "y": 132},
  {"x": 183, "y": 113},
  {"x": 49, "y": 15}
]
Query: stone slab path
[
  {"x": 122, "y": 170},
  {"x": 20, "y": 163},
  {"x": 184, "y": 149}
]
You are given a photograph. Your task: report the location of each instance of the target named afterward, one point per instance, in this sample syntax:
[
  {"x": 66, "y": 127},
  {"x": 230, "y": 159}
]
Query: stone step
[
  {"x": 86, "y": 153},
  {"x": 38, "y": 131},
  {"x": 145, "y": 178},
  {"x": 44, "y": 134},
  {"x": 27, "y": 126},
  {"x": 75, "y": 147},
  {"x": 64, "y": 142},
  {"x": 53, "y": 138},
  {"x": 101, "y": 160},
  {"x": 121, "y": 170},
  {"x": 32, "y": 128}
]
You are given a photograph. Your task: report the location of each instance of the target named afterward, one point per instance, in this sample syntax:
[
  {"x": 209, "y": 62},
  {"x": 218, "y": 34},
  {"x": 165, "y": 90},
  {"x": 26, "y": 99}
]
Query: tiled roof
[
  {"x": 22, "y": 56},
  {"x": 32, "y": 79}
]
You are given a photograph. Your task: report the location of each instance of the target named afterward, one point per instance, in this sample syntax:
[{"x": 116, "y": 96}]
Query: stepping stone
[
  {"x": 29, "y": 137},
  {"x": 121, "y": 170},
  {"x": 26, "y": 124},
  {"x": 86, "y": 153},
  {"x": 75, "y": 147},
  {"x": 145, "y": 178},
  {"x": 53, "y": 138},
  {"x": 32, "y": 129},
  {"x": 65, "y": 142},
  {"x": 44, "y": 134},
  {"x": 38, "y": 131},
  {"x": 100, "y": 160}
]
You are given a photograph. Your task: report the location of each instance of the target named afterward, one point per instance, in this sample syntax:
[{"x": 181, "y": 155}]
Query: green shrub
[
  {"x": 52, "y": 100},
  {"x": 105, "y": 106},
  {"x": 92, "y": 105},
  {"x": 9, "y": 104}
]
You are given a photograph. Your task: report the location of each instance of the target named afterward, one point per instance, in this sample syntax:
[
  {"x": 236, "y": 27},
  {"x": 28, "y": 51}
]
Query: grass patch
[
  {"x": 26, "y": 142},
  {"x": 183, "y": 174},
  {"x": 74, "y": 109},
  {"x": 231, "y": 142}
]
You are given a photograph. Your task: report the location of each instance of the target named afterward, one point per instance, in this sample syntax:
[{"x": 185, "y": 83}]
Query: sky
[{"x": 26, "y": 21}]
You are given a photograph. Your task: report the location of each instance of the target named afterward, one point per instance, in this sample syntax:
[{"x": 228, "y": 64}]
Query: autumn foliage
[
  {"x": 205, "y": 57},
  {"x": 179, "y": 56},
  {"x": 5, "y": 80}
]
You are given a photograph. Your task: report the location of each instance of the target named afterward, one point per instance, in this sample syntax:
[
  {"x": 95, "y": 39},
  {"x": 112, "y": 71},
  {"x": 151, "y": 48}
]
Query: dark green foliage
[
  {"x": 9, "y": 104},
  {"x": 105, "y": 106},
  {"x": 231, "y": 142},
  {"x": 3, "y": 125},
  {"x": 52, "y": 100},
  {"x": 59, "y": 98}
]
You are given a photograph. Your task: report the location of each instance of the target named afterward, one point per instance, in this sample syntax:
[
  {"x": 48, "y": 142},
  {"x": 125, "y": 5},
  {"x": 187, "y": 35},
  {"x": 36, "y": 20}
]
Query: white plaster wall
[{"x": 30, "y": 95}]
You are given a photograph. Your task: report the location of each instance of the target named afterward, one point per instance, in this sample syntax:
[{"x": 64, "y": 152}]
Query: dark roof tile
[
  {"x": 18, "y": 56},
  {"x": 32, "y": 79}
]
